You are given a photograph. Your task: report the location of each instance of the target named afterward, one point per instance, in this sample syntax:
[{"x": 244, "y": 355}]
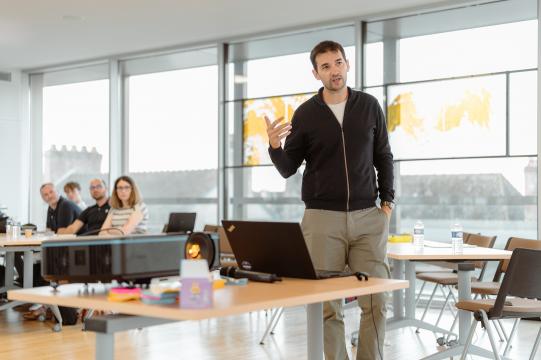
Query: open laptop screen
[{"x": 272, "y": 247}]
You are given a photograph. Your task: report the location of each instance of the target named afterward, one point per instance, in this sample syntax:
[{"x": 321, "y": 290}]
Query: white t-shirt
[{"x": 338, "y": 111}]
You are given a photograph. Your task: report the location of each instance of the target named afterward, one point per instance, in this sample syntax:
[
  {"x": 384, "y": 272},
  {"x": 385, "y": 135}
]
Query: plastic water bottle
[
  {"x": 457, "y": 242},
  {"x": 15, "y": 230},
  {"x": 8, "y": 228},
  {"x": 418, "y": 235}
]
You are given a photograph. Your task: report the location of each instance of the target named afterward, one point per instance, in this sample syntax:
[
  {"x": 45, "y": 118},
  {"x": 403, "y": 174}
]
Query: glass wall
[
  {"x": 459, "y": 88},
  {"x": 75, "y": 137},
  {"x": 173, "y": 133},
  {"x": 270, "y": 77},
  {"x": 460, "y": 94}
]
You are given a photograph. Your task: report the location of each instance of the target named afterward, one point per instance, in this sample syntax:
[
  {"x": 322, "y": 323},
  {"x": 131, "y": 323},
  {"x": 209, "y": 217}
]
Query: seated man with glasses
[
  {"x": 128, "y": 214},
  {"x": 93, "y": 217}
]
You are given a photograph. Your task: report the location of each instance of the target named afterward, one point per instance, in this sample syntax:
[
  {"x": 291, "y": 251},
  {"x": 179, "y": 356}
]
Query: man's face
[
  {"x": 73, "y": 195},
  {"x": 97, "y": 190},
  {"x": 332, "y": 70},
  {"x": 49, "y": 195}
]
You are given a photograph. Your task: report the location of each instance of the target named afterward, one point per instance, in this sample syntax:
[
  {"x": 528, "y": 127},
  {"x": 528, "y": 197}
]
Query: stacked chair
[
  {"x": 517, "y": 298},
  {"x": 448, "y": 279}
]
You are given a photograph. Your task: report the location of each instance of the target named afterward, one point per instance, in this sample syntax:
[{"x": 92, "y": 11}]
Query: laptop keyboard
[{"x": 327, "y": 274}]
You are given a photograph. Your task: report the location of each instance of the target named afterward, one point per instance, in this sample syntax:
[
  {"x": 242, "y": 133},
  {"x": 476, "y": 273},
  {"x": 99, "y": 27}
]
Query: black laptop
[
  {"x": 181, "y": 222},
  {"x": 273, "y": 247}
]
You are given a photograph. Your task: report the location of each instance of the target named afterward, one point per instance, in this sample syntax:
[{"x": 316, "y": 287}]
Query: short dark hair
[
  {"x": 323, "y": 47},
  {"x": 71, "y": 186}
]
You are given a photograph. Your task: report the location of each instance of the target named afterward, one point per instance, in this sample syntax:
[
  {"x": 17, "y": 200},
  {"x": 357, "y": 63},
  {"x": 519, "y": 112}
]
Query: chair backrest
[
  {"x": 482, "y": 241},
  {"x": 522, "y": 279},
  {"x": 512, "y": 244},
  {"x": 225, "y": 247}
]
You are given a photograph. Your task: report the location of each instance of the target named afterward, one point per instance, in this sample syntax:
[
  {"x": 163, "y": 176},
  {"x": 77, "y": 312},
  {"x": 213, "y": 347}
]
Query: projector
[{"x": 134, "y": 258}]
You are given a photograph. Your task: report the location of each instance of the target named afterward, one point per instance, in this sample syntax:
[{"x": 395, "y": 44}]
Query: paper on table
[{"x": 435, "y": 244}]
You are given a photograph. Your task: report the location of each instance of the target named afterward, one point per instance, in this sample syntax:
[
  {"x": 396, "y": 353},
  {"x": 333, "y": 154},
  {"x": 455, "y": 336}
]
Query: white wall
[{"x": 14, "y": 142}]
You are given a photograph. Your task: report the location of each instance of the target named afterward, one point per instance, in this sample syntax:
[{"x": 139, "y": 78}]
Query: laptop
[
  {"x": 274, "y": 247},
  {"x": 181, "y": 222}
]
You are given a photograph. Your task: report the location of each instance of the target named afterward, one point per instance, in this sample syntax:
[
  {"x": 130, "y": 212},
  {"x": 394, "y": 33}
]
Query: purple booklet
[
  {"x": 196, "y": 293},
  {"x": 196, "y": 287}
]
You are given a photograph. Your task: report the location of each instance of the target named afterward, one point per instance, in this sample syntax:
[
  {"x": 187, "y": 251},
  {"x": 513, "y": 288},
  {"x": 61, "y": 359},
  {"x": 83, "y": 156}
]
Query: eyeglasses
[
  {"x": 92, "y": 187},
  {"x": 123, "y": 188}
]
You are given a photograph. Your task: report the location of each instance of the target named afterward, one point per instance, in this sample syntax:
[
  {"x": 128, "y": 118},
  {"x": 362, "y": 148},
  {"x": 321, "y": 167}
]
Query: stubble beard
[{"x": 329, "y": 86}]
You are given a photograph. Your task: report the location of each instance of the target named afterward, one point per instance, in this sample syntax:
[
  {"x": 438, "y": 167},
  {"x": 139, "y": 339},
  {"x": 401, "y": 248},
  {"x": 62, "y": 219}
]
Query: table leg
[
  {"x": 398, "y": 295},
  {"x": 105, "y": 328},
  {"x": 9, "y": 264},
  {"x": 410, "y": 291},
  {"x": 105, "y": 346},
  {"x": 409, "y": 304},
  {"x": 464, "y": 293},
  {"x": 314, "y": 323},
  {"x": 28, "y": 269}
]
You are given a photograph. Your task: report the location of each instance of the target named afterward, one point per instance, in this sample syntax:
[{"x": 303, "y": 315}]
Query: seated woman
[{"x": 128, "y": 213}]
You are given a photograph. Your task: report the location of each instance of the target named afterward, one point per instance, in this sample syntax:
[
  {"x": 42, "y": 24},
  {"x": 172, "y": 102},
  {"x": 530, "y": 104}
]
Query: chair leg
[
  {"x": 468, "y": 339},
  {"x": 486, "y": 322},
  {"x": 420, "y": 293},
  {"x": 498, "y": 326},
  {"x": 277, "y": 319},
  {"x": 506, "y": 338},
  {"x": 536, "y": 344},
  {"x": 443, "y": 308},
  {"x": 452, "y": 328},
  {"x": 269, "y": 326},
  {"x": 428, "y": 305},
  {"x": 511, "y": 335},
  {"x": 56, "y": 312}
]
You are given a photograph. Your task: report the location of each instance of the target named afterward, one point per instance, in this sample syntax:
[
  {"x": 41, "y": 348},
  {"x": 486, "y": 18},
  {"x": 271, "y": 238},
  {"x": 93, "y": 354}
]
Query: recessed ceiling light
[{"x": 72, "y": 18}]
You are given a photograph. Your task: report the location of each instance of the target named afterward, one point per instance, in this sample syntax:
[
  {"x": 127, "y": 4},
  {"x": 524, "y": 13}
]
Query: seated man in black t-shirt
[
  {"x": 61, "y": 212},
  {"x": 92, "y": 218}
]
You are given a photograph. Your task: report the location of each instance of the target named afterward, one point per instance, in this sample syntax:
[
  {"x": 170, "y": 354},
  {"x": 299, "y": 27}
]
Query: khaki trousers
[{"x": 357, "y": 239}]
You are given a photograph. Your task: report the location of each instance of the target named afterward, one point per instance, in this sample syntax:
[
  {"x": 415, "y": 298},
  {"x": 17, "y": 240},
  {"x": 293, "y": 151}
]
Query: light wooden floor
[{"x": 227, "y": 338}]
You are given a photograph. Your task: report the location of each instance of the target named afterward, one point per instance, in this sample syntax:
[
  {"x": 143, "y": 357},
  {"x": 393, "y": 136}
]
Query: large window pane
[
  {"x": 373, "y": 64},
  {"x": 76, "y": 133},
  {"x": 288, "y": 74},
  {"x": 260, "y": 193},
  {"x": 490, "y": 196},
  {"x": 173, "y": 142},
  {"x": 173, "y": 120},
  {"x": 281, "y": 65},
  {"x": 443, "y": 119},
  {"x": 473, "y": 51},
  {"x": 523, "y": 113},
  {"x": 255, "y": 139}
]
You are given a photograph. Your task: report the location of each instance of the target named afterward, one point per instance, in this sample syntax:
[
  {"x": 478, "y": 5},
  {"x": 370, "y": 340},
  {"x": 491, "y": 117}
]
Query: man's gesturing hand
[{"x": 277, "y": 131}]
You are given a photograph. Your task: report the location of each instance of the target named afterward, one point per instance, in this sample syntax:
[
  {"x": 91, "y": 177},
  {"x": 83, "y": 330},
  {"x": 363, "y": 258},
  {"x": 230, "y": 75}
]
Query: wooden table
[
  {"x": 28, "y": 246},
  {"x": 9, "y": 248},
  {"x": 405, "y": 256},
  {"x": 232, "y": 300}
]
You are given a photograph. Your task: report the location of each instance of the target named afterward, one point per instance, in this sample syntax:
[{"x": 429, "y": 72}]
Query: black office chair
[{"x": 517, "y": 298}]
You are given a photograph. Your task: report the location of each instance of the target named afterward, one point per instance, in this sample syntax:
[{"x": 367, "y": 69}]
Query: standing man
[
  {"x": 341, "y": 134},
  {"x": 93, "y": 217}
]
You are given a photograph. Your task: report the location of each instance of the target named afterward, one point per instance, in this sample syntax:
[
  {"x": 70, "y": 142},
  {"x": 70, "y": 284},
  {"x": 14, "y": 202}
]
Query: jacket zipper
[
  {"x": 344, "y": 150},
  {"x": 346, "y": 167}
]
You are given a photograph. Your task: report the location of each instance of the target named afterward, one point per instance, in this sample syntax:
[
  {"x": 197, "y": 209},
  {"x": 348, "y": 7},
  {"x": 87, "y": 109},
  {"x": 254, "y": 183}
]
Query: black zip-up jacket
[{"x": 340, "y": 161}]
